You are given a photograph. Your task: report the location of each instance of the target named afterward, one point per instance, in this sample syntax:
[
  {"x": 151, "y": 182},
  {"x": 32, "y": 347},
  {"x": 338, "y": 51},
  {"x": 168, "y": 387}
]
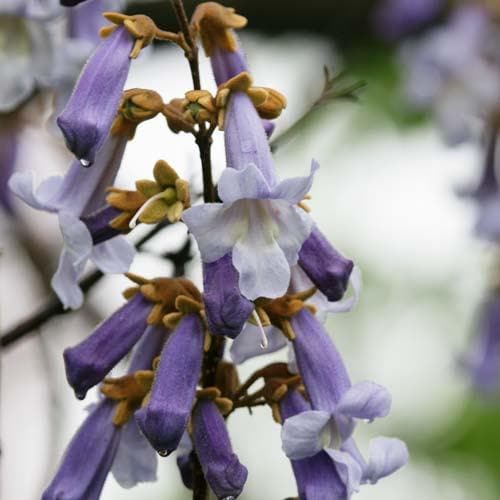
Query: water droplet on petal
[
  {"x": 85, "y": 163},
  {"x": 80, "y": 395},
  {"x": 164, "y": 453}
]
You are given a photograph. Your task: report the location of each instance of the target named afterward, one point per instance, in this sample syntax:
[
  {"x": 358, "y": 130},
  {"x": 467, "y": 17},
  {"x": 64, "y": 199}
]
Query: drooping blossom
[
  {"x": 79, "y": 198},
  {"x": 78, "y": 194},
  {"x": 91, "y": 360},
  {"x": 336, "y": 403},
  {"x": 164, "y": 419},
  {"x": 221, "y": 467},
  {"x": 103, "y": 444}
]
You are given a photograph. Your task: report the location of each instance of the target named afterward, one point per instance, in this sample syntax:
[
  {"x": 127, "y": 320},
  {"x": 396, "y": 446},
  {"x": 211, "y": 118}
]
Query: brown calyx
[
  {"x": 214, "y": 24},
  {"x": 278, "y": 312},
  {"x": 136, "y": 106},
  {"x": 165, "y": 198},
  {"x": 142, "y": 29},
  {"x": 268, "y": 102},
  {"x": 129, "y": 392},
  {"x": 224, "y": 404},
  {"x": 277, "y": 381},
  {"x": 172, "y": 298}
]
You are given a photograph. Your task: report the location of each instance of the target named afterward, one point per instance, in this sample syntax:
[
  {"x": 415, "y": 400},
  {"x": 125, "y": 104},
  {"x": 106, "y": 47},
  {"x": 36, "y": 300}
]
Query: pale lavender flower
[
  {"x": 164, "y": 419},
  {"x": 335, "y": 404},
  {"x": 224, "y": 473},
  {"x": 86, "y": 120},
  {"x": 395, "y": 18},
  {"x": 451, "y": 72},
  {"x": 258, "y": 221},
  {"x": 316, "y": 476},
  {"x": 79, "y": 194},
  {"x": 91, "y": 360}
]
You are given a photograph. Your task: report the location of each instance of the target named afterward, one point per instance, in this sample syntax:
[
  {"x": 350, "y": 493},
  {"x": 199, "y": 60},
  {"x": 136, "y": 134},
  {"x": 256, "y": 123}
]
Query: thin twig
[{"x": 54, "y": 306}]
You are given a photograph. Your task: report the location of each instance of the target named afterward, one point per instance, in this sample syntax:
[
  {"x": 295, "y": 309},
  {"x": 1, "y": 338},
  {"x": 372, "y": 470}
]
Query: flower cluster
[{"x": 270, "y": 277}]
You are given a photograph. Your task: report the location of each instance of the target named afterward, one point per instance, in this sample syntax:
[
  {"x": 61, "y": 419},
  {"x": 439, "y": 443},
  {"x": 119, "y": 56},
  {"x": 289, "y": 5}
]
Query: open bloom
[
  {"x": 316, "y": 475},
  {"x": 78, "y": 194},
  {"x": 335, "y": 404},
  {"x": 259, "y": 224}
]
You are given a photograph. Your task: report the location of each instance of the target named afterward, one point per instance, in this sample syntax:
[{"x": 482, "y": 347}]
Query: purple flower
[
  {"x": 100, "y": 445},
  {"x": 258, "y": 221},
  {"x": 395, "y": 18},
  {"x": 316, "y": 476},
  {"x": 325, "y": 266},
  {"x": 223, "y": 471},
  {"x": 483, "y": 359},
  {"x": 88, "y": 458},
  {"x": 226, "y": 309},
  {"x": 184, "y": 460},
  {"x": 79, "y": 194},
  {"x": 90, "y": 111},
  {"x": 452, "y": 72},
  {"x": 164, "y": 419},
  {"x": 335, "y": 404},
  {"x": 91, "y": 360}
]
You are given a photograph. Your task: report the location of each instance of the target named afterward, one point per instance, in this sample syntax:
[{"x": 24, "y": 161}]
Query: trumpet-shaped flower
[
  {"x": 221, "y": 467},
  {"x": 335, "y": 404},
  {"x": 86, "y": 120},
  {"x": 78, "y": 194},
  {"x": 258, "y": 224}
]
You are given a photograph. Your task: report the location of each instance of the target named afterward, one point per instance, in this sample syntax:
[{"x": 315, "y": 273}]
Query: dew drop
[
  {"x": 164, "y": 453},
  {"x": 80, "y": 395},
  {"x": 85, "y": 163}
]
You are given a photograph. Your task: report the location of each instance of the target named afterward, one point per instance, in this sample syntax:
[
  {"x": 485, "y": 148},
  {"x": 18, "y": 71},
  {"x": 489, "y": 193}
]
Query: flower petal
[
  {"x": 348, "y": 469},
  {"x": 264, "y": 270},
  {"x": 294, "y": 226},
  {"x": 65, "y": 281},
  {"x": 113, "y": 256},
  {"x": 21, "y": 184},
  {"x": 301, "y": 434},
  {"x": 386, "y": 456},
  {"x": 245, "y": 184},
  {"x": 77, "y": 238},
  {"x": 225, "y": 308},
  {"x": 135, "y": 461},
  {"x": 348, "y": 303},
  {"x": 212, "y": 225},
  {"x": 366, "y": 400},
  {"x": 294, "y": 189},
  {"x": 248, "y": 343}
]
